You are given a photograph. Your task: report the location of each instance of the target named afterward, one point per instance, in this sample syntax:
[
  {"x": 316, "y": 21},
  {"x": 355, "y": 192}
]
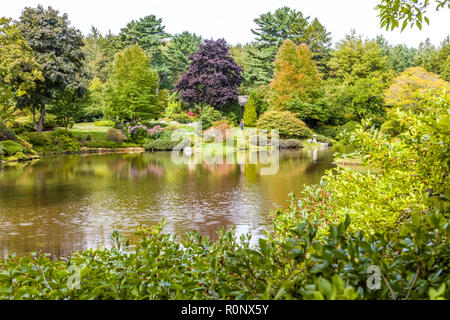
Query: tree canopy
[
  {"x": 19, "y": 69},
  {"x": 176, "y": 55},
  {"x": 272, "y": 29},
  {"x": 213, "y": 76},
  {"x": 57, "y": 48},
  {"x": 297, "y": 79},
  {"x": 131, "y": 90}
]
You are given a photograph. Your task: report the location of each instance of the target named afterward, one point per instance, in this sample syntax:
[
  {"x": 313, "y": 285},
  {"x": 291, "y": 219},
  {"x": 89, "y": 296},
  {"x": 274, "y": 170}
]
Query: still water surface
[{"x": 68, "y": 203}]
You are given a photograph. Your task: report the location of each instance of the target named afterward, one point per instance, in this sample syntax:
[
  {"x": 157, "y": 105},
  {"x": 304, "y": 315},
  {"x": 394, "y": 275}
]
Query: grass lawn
[{"x": 89, "y": 129}]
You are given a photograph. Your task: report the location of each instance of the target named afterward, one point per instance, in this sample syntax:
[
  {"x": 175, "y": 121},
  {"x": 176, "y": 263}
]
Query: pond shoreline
[{"x": 84, "y": 150}]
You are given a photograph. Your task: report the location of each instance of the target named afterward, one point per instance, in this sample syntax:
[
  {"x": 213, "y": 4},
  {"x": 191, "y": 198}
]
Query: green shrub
[
  {"x": 116, "y": 136},
  {"x": 104, "y": 123},
  {"x": 36, "y": 139},
  {"x": 108, "y": 144},
  {"x": 6, "y": 133},
  {"x": 346, "y": 130},
  {"x": 65, "y": 140},
  {"x": 181, "y": 118},
  {"x": 287, "y": 124},
  {"x": 250, "y": 115},
  {"x": 163, "y": 143},
  {"x": 326, "y": 130},
  {"x": 208, "y": 116},
  {"x": 11, "y": 148},
  {"x": 392, "y": 128},
  {"x": 291, "y": 144},
  {"x": 414, "y": 263}
]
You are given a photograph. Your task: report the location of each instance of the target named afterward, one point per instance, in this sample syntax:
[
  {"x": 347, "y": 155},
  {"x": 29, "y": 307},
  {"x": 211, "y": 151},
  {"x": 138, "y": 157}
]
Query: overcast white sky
[{"x": 233, "y": 19}]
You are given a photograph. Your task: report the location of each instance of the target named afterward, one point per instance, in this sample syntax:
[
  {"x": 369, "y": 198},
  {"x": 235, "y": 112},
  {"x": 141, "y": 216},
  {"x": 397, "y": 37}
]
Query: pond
[{"x": 66, "y": 203}]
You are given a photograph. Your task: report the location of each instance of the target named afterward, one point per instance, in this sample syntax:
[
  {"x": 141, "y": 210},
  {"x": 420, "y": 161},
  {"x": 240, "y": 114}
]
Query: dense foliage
[
  {"x": 250, "y": 114},
  {"x": 296, "y": 82},
  {"x": 212, "y": 78},
  {"x": 57, "y": 48},
  {"x": 131, "y": 90},
  {"x": 287, "y": 124}
]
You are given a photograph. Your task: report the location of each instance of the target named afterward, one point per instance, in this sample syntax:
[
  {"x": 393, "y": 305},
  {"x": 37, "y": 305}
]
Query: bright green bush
[
  {"x": 11, "y": 148},
  {"x": 181, "y": 118},
  {"x": 65, "y": 140},
  {"x": 208, "y": 116},
  {"x": 36, "y": 139},
  {"x": 415, "y": 263},
  {"x": 164, "y": 143},
  {"x": 392, "y": 128},
  {"x": 287, "y": 124},
  {"x": 250, "y": 115},
  {"x": 104, "y": 123},
  {"x": 412, "y": 176}
]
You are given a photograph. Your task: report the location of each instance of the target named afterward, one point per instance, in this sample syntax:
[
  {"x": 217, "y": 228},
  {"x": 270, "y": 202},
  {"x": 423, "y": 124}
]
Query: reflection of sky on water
[{"x": 71, "y": 203}]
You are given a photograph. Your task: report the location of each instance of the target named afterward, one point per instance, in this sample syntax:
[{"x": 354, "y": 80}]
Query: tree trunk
[
  {"x": 34, "y": 118},
  {"x": 41, "y": 119}
]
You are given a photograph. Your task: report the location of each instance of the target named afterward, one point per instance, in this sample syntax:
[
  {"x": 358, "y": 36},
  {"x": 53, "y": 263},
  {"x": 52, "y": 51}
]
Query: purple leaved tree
[{"x": 213, "y": 76}]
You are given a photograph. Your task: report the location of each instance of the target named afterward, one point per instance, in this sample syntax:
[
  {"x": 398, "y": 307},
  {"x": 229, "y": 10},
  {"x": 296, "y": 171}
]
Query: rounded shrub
[
  {"x": 65, "y": 140},
  {"x": 291, "y": 144},
  {"x": 181, "y": 118},
  {"x": 208, "y": 116},
  {"x": 288, "y": 125}
]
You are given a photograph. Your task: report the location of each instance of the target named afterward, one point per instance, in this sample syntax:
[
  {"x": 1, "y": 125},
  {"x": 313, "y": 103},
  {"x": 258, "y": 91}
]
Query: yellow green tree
[
  {"x": 19, "y": 69},
  {"x": 297, "y": 80},
  {"x": 250, "y": 115},
  {"x": 408, "y": 88},
  {"x": 131, "y": 90}
]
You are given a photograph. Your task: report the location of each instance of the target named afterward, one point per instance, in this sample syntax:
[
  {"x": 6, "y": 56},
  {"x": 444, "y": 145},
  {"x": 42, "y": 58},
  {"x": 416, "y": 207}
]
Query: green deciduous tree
[
  {"x": 356, "y": 58},
  {"x": 408, "y": 89},
  {"x": 149, "y": 33},
  {"x": 95, "y": 105},
  {"x": 57, "y": 48},
  {"x": 404, "y": 12},
  {"x": 19, "y": 69},
  {"x": 131, "y": 90},
  {"x": 359, "y": 75},
  {"x": 67, "y": 105}
]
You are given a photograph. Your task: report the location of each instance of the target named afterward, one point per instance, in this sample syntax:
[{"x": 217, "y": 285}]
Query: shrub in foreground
[{"x": 414, "y": 264}]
